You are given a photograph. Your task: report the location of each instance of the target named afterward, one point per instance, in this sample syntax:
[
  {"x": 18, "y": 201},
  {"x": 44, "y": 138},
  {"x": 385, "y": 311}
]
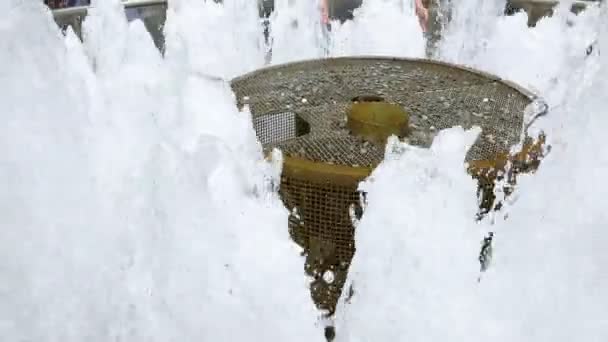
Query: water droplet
[{"x": 328, "y": 276}]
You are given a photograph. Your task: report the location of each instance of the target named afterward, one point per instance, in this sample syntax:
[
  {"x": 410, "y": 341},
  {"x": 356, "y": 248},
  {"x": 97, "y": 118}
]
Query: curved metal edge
[
  {"x": 323, "y": 173},
  {"x": 513, "y": 85},
  {"x": 527, "y": 93},
  {"x": 543, "y": 112}
]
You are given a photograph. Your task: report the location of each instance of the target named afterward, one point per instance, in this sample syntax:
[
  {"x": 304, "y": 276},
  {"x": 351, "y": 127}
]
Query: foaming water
[
  {"x": 379, "y": 27},
  {"x": 466, "y": 34},
  {"x": 416, "y": 269},
  {"x": 296, "y": 31},
  {"x": 537, "y": 58},
  {"x": 412, "y": 274},
  {"x": 135, "y": 203},
  {"x": 235, "y": 45}
]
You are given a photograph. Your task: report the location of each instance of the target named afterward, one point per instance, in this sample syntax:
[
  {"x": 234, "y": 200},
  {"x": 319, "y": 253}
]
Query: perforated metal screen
[{"x": 300, "y": 108}]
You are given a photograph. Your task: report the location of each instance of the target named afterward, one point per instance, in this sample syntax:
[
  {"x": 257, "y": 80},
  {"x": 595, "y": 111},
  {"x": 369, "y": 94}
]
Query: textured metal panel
[
  {"x": 436, "y": 95},
  {"x": 324, "y": 162}
]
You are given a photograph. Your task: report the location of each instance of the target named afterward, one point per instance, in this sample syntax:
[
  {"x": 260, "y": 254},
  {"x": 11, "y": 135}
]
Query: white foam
[
  {"x": 296, "y": 31},
  {"x": 135, "y": 204},
  {"x": 379, "y": 27},
  {"x": 135, "y": 201},
  {"x": 414, "y": 274}
]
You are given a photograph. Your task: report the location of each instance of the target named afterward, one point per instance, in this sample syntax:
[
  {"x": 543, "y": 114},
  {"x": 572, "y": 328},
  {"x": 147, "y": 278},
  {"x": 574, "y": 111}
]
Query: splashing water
[
  {"x": 296, "y": 31},
  {"x": 135, "y": 204},
  {"x": 405, "y": 258},
  {"x": 380, "y": 27},
  {"x": 415, "y": 271},
  {"x": 221, "y": 40}
]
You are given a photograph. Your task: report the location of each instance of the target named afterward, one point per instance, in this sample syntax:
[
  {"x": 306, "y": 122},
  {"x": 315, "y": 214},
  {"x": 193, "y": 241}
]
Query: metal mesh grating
[
  {"x": 324, "y": 228},
  {"x": 301, "y": 109},
  {"x": 279, "y": 127}
]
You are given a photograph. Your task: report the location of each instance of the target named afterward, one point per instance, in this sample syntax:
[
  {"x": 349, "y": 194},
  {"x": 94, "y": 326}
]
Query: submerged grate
[
  {"x": 278, "y": 127},
  {"x": 303, "y": 109}
]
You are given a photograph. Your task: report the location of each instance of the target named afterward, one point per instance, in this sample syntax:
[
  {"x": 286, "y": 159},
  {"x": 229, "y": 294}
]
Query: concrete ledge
[
  {"x": 537, "y": 9},
  {"x": 153, "y": 13}
]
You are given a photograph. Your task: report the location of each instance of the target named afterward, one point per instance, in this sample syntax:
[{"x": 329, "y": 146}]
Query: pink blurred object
[
  {"x": 325, "y": 11},
  {"x": 423, "y": 15}
]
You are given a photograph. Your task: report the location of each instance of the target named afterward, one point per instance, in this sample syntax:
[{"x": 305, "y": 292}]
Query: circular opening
[
  {"x": 373, "y": 119},
  {"x": 368, "y": 98}
]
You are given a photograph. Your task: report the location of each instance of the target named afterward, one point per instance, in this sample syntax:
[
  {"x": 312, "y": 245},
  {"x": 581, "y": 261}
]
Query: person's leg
[
  {"x": 324, "y": 9},
  {"x": 439, "y": 15}
]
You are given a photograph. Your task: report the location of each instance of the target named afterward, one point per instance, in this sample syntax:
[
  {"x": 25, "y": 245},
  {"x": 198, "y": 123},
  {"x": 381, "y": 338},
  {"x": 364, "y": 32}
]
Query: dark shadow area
[{"x": 57, "y": 4}]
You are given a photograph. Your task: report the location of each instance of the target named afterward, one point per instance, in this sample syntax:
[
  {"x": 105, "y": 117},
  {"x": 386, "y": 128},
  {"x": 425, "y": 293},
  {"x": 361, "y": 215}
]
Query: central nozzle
[{"x": 374, "y": 119}]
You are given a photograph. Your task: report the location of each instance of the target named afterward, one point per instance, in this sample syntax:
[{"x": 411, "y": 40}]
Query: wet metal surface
[
  {"x": 301, "y": 108},
  {"x": 436, "y": 95}
]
